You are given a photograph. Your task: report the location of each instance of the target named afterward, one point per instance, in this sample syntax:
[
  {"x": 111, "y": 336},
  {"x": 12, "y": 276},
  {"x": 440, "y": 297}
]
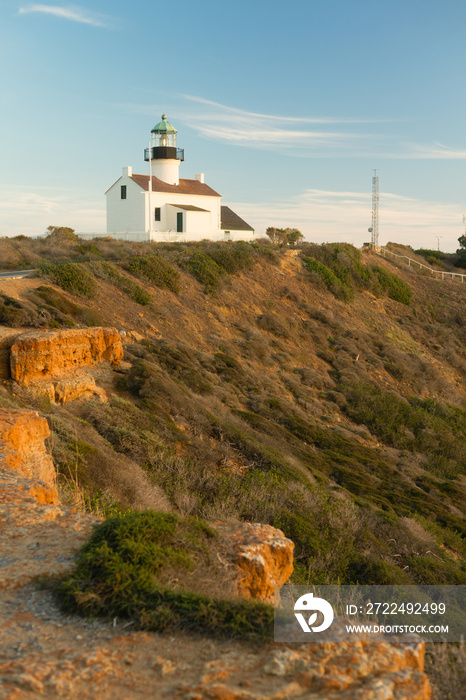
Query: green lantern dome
[{"x": 164, "y": 127}]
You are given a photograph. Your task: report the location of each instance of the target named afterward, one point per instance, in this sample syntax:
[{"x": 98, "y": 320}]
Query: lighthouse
[
  {"x": 164, "y": 156},
  {"x": 160, "y": 206}
]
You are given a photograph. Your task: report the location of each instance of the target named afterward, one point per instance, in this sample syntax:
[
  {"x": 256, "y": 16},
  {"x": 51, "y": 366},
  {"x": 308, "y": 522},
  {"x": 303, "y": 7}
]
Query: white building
[{"x": 161, "y": 206}]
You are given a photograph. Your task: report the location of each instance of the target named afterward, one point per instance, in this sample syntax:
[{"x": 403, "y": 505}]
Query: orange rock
[
  {"x": 76, "y": 387},
  {"x": 39, "y": 355},
  {"x": 22, "y": 450},
  {"x": 264, "y": 559},
  {"x": 409, "y": 685},
  {"x": 47, "y": 495}
]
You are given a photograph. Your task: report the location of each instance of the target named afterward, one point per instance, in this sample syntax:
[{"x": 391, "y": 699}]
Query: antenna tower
[{"x": 375, "y": 210}]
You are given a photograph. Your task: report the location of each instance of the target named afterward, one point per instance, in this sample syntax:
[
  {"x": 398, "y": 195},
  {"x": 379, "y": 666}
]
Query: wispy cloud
[
  {"x": 73, "y": 14},
  {"x": 435, "y": 151},
  {"x": 298, "y": 136},
  {"x": 293, "y": 135},
  {"x": 244, "y": 114}
]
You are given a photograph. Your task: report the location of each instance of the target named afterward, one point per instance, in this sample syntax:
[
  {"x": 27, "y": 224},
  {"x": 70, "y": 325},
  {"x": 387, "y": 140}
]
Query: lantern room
[{"x": 163, "y": 143}]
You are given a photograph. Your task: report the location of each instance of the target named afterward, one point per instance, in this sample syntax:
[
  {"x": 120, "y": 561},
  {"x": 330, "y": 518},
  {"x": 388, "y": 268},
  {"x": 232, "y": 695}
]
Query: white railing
[
  {"x": 438, "y": 274},
  {"x": 136, "y": 236}
]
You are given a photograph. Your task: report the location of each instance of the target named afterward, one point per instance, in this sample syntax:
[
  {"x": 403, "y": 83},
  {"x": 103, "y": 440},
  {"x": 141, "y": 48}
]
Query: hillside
[{"x": 318, "y": 390}]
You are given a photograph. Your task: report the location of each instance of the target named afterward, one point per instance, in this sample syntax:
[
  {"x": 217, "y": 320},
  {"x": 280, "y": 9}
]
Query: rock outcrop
[
  {"x": 23, "y": 451},
  {"x": 51, "y": 364},
  {"x": 263, "y": 558},
  {"x": 41, "y": 355}
]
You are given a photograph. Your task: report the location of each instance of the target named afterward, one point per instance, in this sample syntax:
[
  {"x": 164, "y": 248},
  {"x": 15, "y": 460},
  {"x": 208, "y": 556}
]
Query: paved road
[{"x": 15, "y": 274}]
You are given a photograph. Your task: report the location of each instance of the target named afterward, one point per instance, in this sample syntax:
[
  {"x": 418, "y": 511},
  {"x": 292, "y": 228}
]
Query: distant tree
[
  {"x": 284, "y": 236},
  {"x": 293, "y": 236},
  {"x": 61, "y": 233},
  {"x": 276, "y": 235},
  {"x": 461, "y": 252}
]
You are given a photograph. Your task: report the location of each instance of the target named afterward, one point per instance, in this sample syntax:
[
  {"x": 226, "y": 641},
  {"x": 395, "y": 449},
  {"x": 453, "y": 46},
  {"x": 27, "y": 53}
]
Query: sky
[{"x": 286, "y": 107}]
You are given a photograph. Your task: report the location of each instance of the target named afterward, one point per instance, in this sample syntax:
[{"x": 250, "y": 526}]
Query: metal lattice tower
[{"x": 375, "y": 210}]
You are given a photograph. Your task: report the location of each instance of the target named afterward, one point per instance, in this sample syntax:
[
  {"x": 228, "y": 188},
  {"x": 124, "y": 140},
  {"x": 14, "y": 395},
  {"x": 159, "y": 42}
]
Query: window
[
  {"x": 123, "y": 191},
  {"x": 179, "y": 222},
  {"x": 157, "y": 213},
  {"x": 227, "y": 235}
]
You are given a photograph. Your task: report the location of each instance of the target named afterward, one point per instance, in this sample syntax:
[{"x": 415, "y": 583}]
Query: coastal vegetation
[{"x": 319, "y": 389}]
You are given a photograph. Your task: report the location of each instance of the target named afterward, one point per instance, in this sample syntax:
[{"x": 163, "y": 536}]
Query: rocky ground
[{"x": 45, "y": 653}]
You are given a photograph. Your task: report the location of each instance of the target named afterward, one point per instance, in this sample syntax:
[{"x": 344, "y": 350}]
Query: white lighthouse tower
[
  {"x": 165, "y": 158},
  {"x": 159, "y": 206}
]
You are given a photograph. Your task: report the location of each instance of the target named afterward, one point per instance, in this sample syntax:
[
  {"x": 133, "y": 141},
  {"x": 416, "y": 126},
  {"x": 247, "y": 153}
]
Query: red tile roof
[{"x": 185, "y": 186}]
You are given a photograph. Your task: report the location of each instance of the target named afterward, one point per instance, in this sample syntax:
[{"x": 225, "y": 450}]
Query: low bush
[
  {"x": 204, "y": 269},
  {"x": 393, "y": 285},
  {"x": 433, "y": 257},
  {"x": 15, "y": 313},
  {"x": 232, "y": 257},
  {"x": 156, "y": 270},
  {"x": 109, "y": 272},
  {"x": 64, "y": 311},
  {"x": 424, "y": 425},
  {"x": 371, "y": 571},
  {"x": 72, "y": 277},
  {"x": 126, "y": 568},
  {"x": 184, "y": 364},
  {"x": 340, "y": 268},
  {"x": 273, "y": 325},
  {"x": 336, "y": 286}
]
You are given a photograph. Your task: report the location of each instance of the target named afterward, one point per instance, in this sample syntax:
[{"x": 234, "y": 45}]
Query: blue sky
[{"x": 286, "y": 107}]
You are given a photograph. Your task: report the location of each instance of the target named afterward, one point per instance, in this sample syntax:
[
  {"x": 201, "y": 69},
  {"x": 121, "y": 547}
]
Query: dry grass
[
  {"x": 88, "y": 466},
  {"x": 446, "y": 668}
]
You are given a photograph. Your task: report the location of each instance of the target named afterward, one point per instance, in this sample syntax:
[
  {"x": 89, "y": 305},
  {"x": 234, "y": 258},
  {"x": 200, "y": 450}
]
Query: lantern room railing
[{"x": 164, "y": 153}]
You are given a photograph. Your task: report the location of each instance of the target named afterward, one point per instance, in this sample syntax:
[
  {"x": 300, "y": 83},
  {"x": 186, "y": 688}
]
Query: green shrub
[
  {"x": 125, "y": 569},
  {"x": 340, "y": 268},
  {"x": 232, "y": 257},
  {"x": 331, "y": 281},
  {"x": 373, "y": 571},
  {"x": 53, "y": 298},
  {"x": 16, "y": 314},
  {"x": 156, "y": 270},
  {"x": 437, "y": 430},
  {"x": 61, "y": 234},
  {"x": 109, "y": 272},
  {"x": 433, "y": 257},
  {"x": 265, "y": 250},
  {"x": 393, "y": 285},
  {"x": 205, "y": 270},
  {"x": 65, "y": 311},
  {"x": 431, "y": 571},
  {"x": 72, "y": 277},
  {"x": 182, "y": 363}
]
